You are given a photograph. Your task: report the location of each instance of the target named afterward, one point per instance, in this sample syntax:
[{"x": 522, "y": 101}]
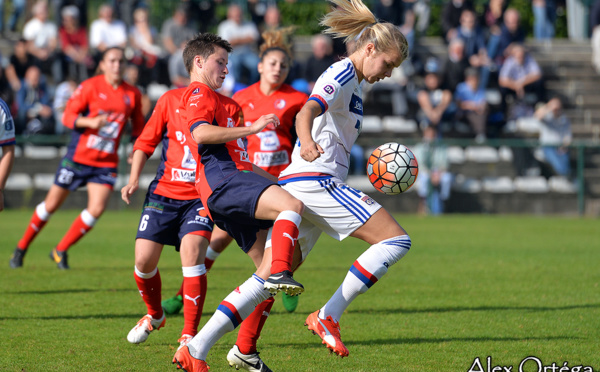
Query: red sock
[
  {"x": 252, "y": 326},
  {"x": 208, "y": 263},
  {"x": 180, "y": 292},
  {"x": 150, "y": 290},
  {"x": 194, "y": 289},
  {"x": 77, "y": 230},
  {"x": 35, "y": 226},
  {"x": 283, "y": 239}
]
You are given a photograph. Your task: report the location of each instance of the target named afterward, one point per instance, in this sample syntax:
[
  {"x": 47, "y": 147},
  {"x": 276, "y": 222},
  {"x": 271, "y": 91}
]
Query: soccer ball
[{"x": 392, "y": 168}]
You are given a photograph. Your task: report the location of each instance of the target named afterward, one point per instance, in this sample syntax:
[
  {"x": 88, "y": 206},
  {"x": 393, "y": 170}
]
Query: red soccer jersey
[
  {"x": 177, "y": 169},
  {"x": 93, "y": 97},
  {"x": 271, "y": 149},
  {"x": 202, "y": 106}
]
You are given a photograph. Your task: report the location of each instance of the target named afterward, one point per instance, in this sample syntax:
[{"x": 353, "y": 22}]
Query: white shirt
[
  {"x": 340, "y": 95},
  {"x": 111, "y": 34},
  {"x": 229, "y": 30},
  {"x": 40, "y": 32}
]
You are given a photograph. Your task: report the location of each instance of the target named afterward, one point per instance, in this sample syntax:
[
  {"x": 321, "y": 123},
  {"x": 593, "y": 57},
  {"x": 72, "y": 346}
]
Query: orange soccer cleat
[
  {"x": 329, "y": 331},
  {"x": 187, "y": 362}
]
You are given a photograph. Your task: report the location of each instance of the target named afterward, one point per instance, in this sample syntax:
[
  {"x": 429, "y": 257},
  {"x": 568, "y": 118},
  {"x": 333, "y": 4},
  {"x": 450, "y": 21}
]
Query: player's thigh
[
  {"x": 275, "y": 200},
  {"x": 98, "y": 196},
  {"x": 147, "y": 254},
  {"x": 193, "y": 249},
  {"x": 219, "y": 239},
  {"x": 380, "y": 226},
  {"x": 55, "y": 198}
]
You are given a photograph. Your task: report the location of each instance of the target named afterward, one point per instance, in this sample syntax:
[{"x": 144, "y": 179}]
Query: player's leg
[
  {"x": 147, "y": 278},
  {"x": 277, "y": 204},
  {"x": 98, "y": 196},
  {"x": 54, "y": 199}
]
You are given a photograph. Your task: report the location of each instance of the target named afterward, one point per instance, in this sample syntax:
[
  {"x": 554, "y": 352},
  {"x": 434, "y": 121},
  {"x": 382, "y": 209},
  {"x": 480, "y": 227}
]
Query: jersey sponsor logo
[
  {"x": 329, "y": 89},
  {"x": 154, "y": 207},
  {"x": 356, "y": 104},
  {"x": 269, "y": 141},
  {"x": 251, "y": 105},
  {"x": 267, "y": 159},
  {"x": 201, "y": 220},
  {"x": 101, "y": 144},
  {"x": 280, "y": 104},
  {"x": 202, "y": 212},
  {"x": 183, "y": 175},
  {"x": 102, "y": 96}
]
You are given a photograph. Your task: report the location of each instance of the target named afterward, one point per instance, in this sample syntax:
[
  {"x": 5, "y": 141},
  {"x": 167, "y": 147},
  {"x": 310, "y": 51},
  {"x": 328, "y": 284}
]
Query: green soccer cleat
[
  {"x": 172, "y": 305},
  {"x": 290, "y": 302}
]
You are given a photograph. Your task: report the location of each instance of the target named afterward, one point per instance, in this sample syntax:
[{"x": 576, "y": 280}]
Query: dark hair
[
  {"x": 105, "y": 52},
  {"x": 203, "y": 45}
]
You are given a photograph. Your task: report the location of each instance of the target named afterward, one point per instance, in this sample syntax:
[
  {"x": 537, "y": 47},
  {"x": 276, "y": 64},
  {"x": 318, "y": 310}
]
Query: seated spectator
[
  {"x": 421, "y": 11},
  {"x": 63, "y": 92},
  {"x": 34, "y": 115},
  {"x": 390, "y": 11},
  {"x": 42, "y": 39},
  {"x": 132, "y": 76},
  {"x": 475, "y": 48},
  {"x": 451, "y": 17},
  {"x": 176, "y": 30},
  {"x": 178, "y": 73},
  {"x": 434, "y": 102},
  {"x": 520, "y": 74},
  {"x": 271, "y": 20},
  {"x": 492, "y": 17},
  {"x": 510, "y": 32},
  {"x": 74, "y": 57},
  {"x": 321, "y": 58},
  {"x": 18, "y": 6},
  {"x": 455, "y": 65},
  {"x": 555, "y": 136},
  {"x": 243, "y": 36},
  {"x": 19, "y": 62},
  {"x": 143, "y": 41},
  {"x": 434, "y": 181},
  {"x": 544, "y": 16},
  {"x": 472, "y": 106},
  {"x": 106, "y": 32}
]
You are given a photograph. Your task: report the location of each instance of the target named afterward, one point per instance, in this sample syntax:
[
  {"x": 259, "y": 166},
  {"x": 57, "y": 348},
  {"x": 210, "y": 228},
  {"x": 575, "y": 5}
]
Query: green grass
[{"x": 472, "y": 286}]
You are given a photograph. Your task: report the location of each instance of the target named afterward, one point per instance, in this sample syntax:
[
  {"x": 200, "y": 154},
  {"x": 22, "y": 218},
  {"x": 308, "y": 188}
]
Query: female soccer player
[
  {"x": 97, "y": 112},
  {"x": 327, "y": 127}
]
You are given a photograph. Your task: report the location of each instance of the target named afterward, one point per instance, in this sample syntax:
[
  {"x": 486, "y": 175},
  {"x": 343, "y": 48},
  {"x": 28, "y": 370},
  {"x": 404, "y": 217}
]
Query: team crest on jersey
[
  {"x": 280, "y": 104},
  {"x": 126, "y": 99},
  {"x": 367, "y": 199},
  {"x": 196, "y": 91},
  {"x": 329, "y": 89}
]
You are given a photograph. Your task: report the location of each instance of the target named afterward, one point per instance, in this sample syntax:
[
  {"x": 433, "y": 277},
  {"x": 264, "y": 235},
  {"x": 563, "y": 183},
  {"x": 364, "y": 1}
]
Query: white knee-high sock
[
  {"x": 230, "y": 313},
  {"x": 366, "y": 271}
]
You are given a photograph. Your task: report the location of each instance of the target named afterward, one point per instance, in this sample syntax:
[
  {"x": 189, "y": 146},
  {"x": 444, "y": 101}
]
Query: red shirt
[
  {"x": 77, "y": 39},
  {"x": 94, "y": 96},
  {"x": 271, "y": 149},
  {"x": 200, "y": 105},
  {"x": 177, "y": 169}
]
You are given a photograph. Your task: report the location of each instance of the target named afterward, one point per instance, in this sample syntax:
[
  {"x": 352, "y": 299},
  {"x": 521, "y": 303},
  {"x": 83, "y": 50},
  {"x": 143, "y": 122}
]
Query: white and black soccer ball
[{"x": 392, "y": 168}]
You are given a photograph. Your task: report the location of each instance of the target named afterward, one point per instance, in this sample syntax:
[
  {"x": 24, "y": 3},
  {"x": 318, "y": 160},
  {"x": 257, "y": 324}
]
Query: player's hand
[
  {"x": 310, "y": 151},
  {"x": 98, "y": 122},
  {"x": 128, "y": 190},
  {"x": 263, "y": 121}
]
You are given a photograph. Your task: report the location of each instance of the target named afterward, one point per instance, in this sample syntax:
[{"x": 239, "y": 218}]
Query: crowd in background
[{"x": 486, "y": 79}]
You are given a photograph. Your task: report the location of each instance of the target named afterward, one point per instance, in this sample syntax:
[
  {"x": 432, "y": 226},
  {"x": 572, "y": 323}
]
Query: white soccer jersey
[
  {"x": 340, "y": 95},
  {"x": 7, "y": 125}
]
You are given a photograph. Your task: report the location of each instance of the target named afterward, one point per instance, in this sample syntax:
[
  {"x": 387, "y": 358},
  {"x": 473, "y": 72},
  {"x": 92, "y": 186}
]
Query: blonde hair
[
  {"x": 353, "y": 21},
  {"x": 277, "y": 39}
]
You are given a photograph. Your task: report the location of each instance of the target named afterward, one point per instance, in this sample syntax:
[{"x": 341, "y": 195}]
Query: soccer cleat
[
  {"x": 187, "y": 362},
  {"x": 290, "y": 302},
  {"x": 172, "y": 305},
  {"x": 60, "y": 258},
  {"x": 184, "y": 340},
  {"x": 144, "y": 326},
  {"x": 249, "y": 362},
  {"x": 329, "y": 331},
  {"x": 16, "y": 260},
  {"x": 283, "y": 281}
]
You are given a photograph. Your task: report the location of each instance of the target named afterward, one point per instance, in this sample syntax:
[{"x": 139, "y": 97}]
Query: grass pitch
[{"x": 473, "y": 288}]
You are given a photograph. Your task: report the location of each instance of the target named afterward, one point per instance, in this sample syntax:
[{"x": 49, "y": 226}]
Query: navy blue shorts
[
  {"x": 71, "y": 175},
  {"x": 232, "y": 206},
  {"x": 167, "y": 221}
]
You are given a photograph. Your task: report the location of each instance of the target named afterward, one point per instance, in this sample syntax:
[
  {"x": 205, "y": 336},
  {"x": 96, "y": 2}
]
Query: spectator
[
  {"x": 434, "y": 181},
  {"x": 131, "y": 75},
  {"x": 472, "y": 35},
  {"x": 7, "y": 144},
  {"x": 42, "y": 39},
  {"x": 451, "y": 17},
  {"x": 63, "y": 92},
  {"x": 492, "y": 16},
  {"x": 510, "y": 32},
  {"x": 544, "y": 16},
  {"x": 555, "y": 136},
  {"x": 6, "y": 92},
  {"x": 272, "y": 19},
  {"x": 422, "y": 12},
  {"x": 243, "y": 36},
  {"x": 74, "y": 57},
  {"x": 321, "y": 58},
  {"x": 390, "y": 11},
  {"x": 18, "y": 6},
  {"x": 521, "y": 74},
  {"x": 143, "y": 41},
  {"x": 472, "y": 106},
  {"x": 34, "y": 115},
  {"x": 106, "y": 32},
  {"x": 455, "y": 65},
  {"x": 176, "y": 30},
  {"x": 81, "y": 5},
  {"x": 178, "y": 73},
  {"x": 19, "y": 62},
  {"x": 202, "y": 14},
  {"x": 434, "y": 102},
  {"x": 125, "y": 10}
]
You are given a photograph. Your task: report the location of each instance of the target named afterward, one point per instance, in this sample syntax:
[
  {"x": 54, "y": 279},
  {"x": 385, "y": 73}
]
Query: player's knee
[
  {"x": 397, "y": 247},
  {"x": 296, "y": 206}
]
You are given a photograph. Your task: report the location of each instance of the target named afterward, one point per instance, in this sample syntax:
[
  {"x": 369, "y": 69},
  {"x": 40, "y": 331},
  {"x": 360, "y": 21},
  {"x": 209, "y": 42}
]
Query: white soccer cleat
[
  {"x": 249, "y": 362},
  {"x": 144, "y": 326},
  {"x": 184, "y": 340}
]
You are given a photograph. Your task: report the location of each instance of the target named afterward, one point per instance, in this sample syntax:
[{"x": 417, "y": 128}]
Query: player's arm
[
  {"x": 138, "y": 162},
  {"x": 309, "y": 149},
  {"x": 6, "y": 165},
  {"x": 205, "y": 134},
  {"x": 77, "y": 104}
]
